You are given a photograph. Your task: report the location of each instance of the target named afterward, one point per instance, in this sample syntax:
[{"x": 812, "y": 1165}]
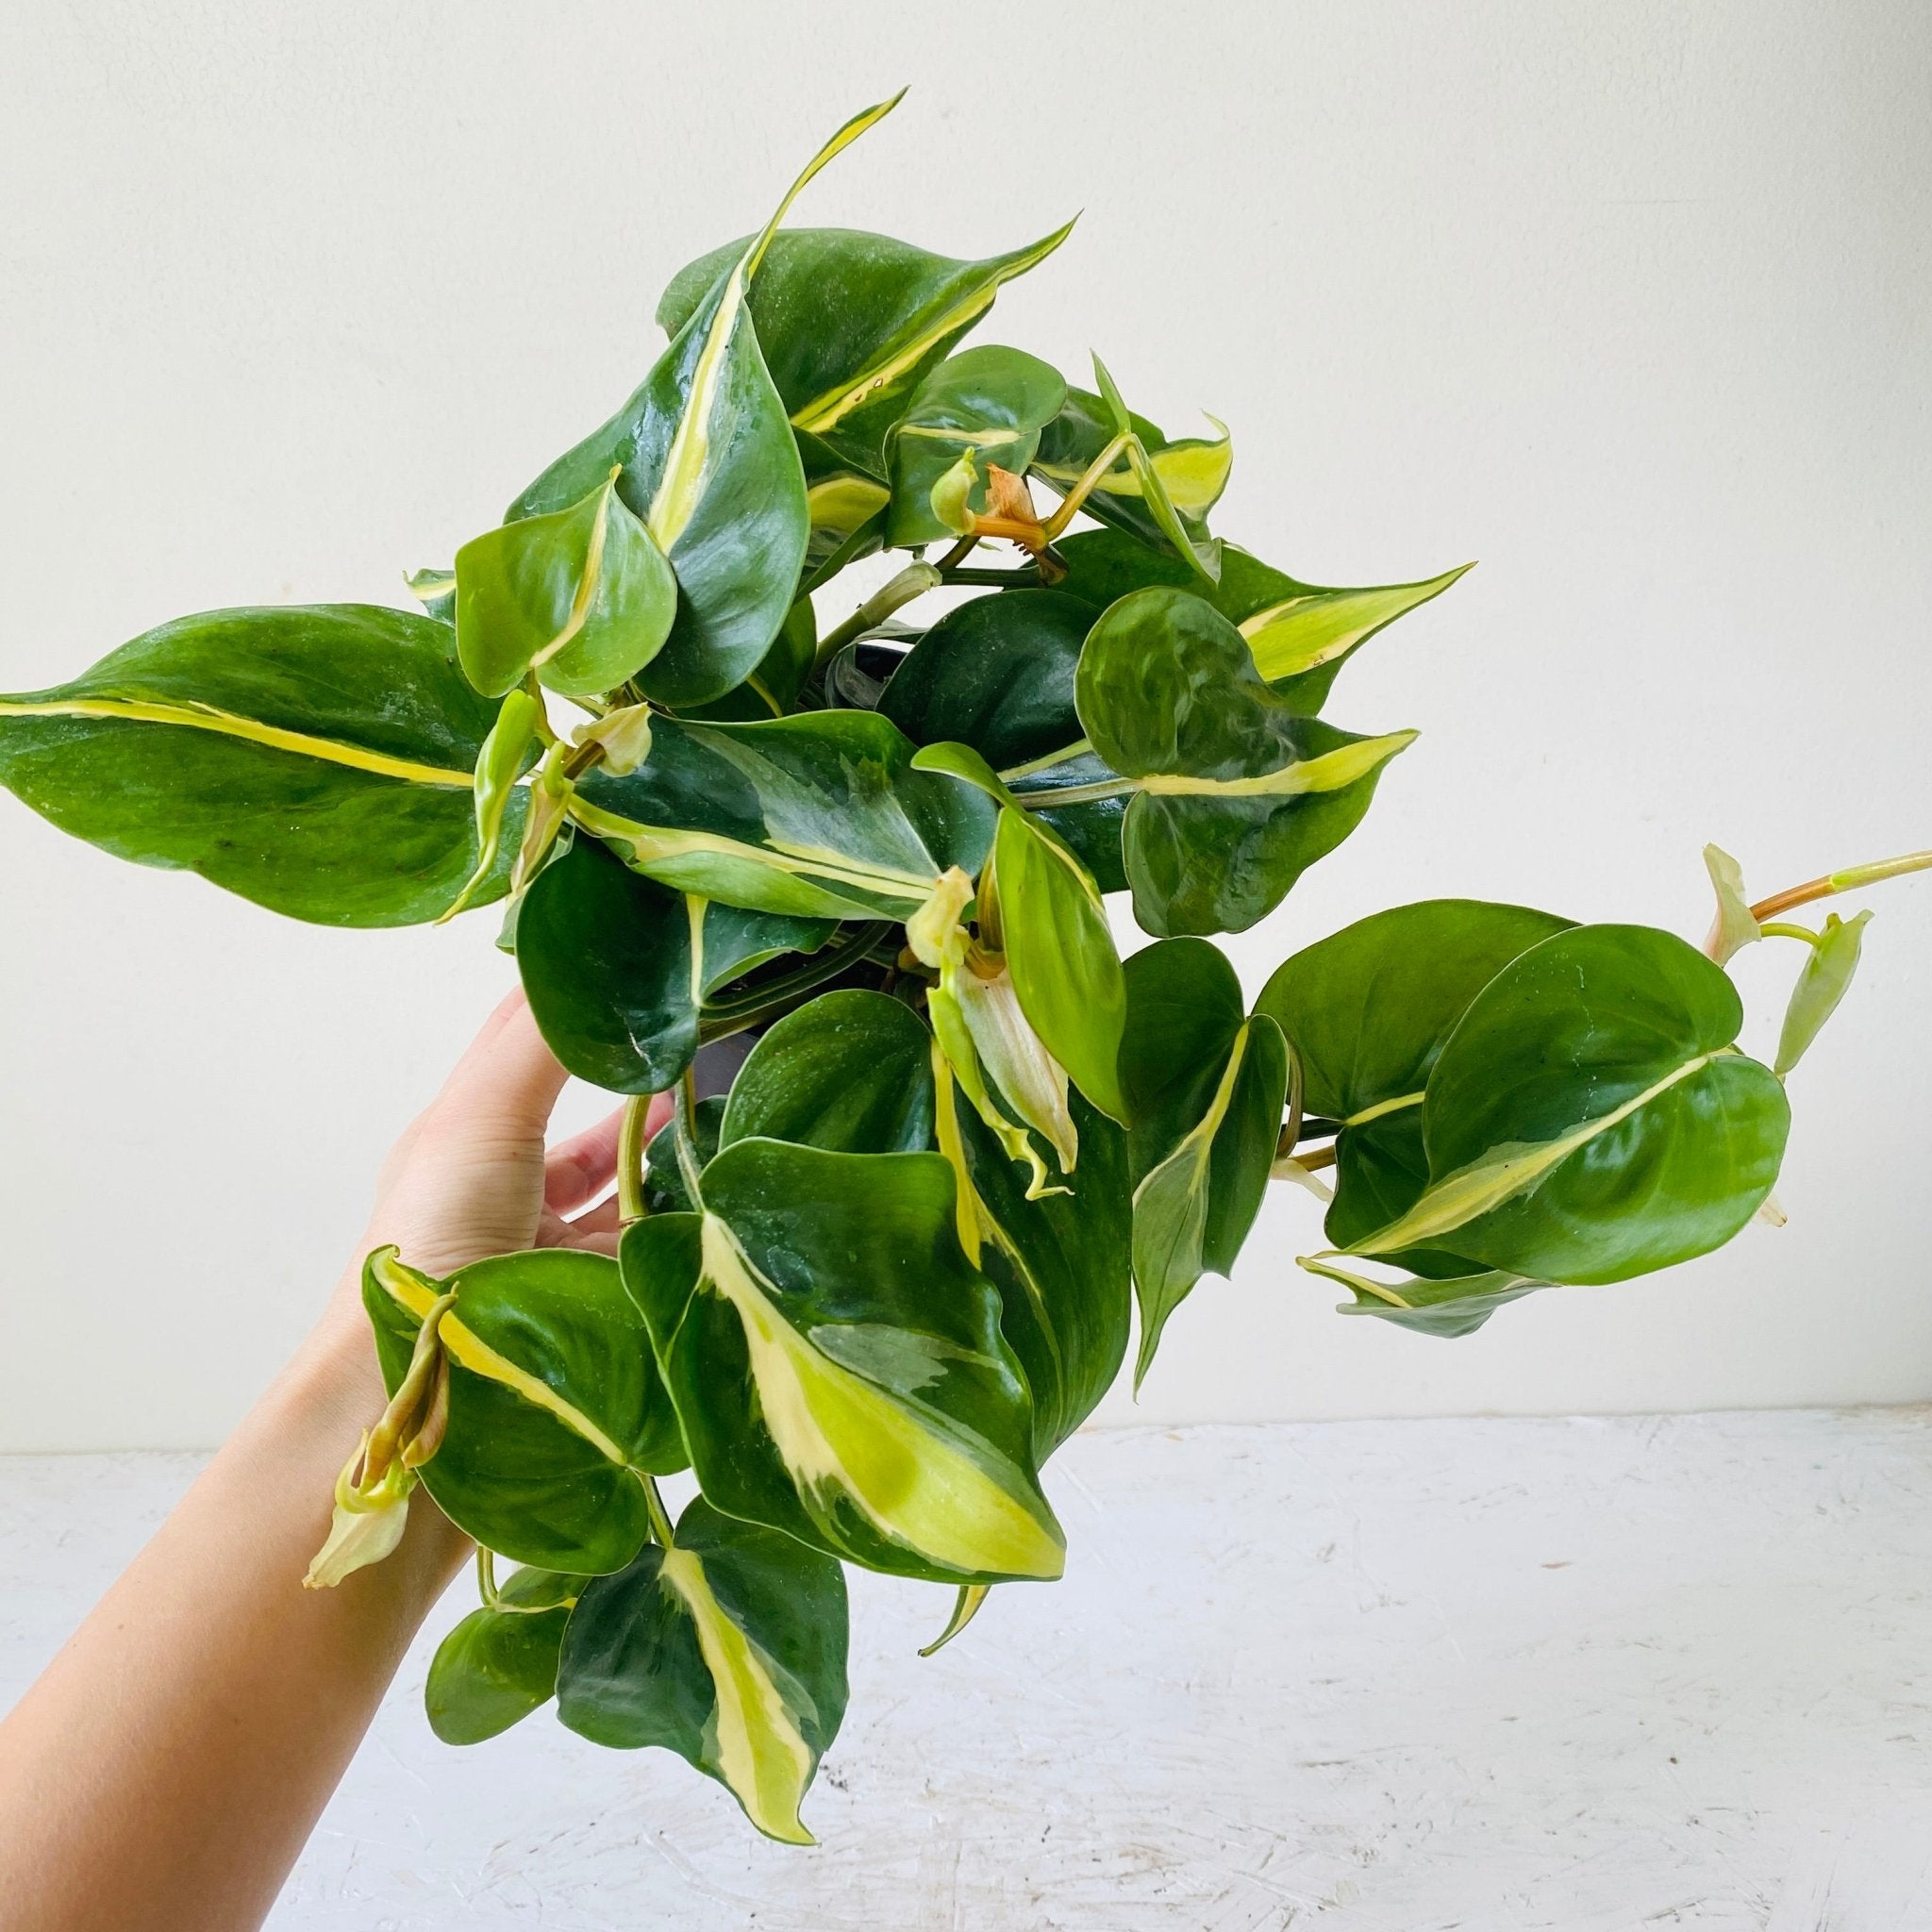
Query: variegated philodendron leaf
[
  {"x": 858, "y": 1072},
  {"x": 623, "y": 973},
  {"x": 509, "y": 749},
  {"x": 1446, "y": 1308},
  {"x": 1367, "y": 1010},
  {"x": 987, "y": 404},
  {"x": 1300, "y": 635},
  {"x": 706, "y": 459},
  {"x": 729, "y": 1648},
  {"x": 316, "y": 760},
  {"x": 852, "y": 322},
  {"x": 815, "y": 816},
  {"x": 837, "y": 1366},
  {"x": 1233, "y": 794},
  {"x": 1157, "y": 491},
  {"x": 582, "y": 596},
  {"x": 1590, "y": 1118},
  {"x": 554, "y": 1410},
  {"x": 499, "y": 1664},
  {"x": 1206, "y": 1085}
]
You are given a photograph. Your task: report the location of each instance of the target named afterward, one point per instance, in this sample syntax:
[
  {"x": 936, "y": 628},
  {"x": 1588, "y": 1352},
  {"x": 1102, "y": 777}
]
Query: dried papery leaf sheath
[{"x": 845, "y": 861}]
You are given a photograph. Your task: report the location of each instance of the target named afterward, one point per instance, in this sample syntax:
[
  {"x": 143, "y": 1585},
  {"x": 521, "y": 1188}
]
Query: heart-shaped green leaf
[
  {"x": 1207, "y": 1086},
  {"x": 821, "y": 816},
  {"x": 706, "y": 459},
  {"x": 499, "y": 1664},
  {"x": 1235, "y": 795},
  {"x": 837, "y": 1366},
  {"x": 583, "y": 596},
  {"x": 851, "y": 323},
  {"x": 315, "y": 760},
  {"x": 989, "y": 402},
  {"x": 1300, "y": 635},
  {"x": 997, "y": 673},
  {"x": 1366, "y": 1010},
  {"x": 618, "y": 968},
  {"x": 851, "y": 1073},
  {"x": 554, "y": 1403},
  {"x": 727, "y": 1648},
  {"x": 1589, "y": 1119}
]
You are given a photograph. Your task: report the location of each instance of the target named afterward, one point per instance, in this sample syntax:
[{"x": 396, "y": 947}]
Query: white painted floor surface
[{"x": 1371, "y": 1676}]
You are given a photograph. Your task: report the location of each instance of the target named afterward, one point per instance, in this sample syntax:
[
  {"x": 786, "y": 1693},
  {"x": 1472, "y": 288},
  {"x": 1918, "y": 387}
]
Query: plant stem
[
  {"x": 1777, "y": 929},
  {"x": 915, "y": 581},
  {"x": 720, "y": 1020},
  {"x": 631, "y": 1204},
  {"x": 994, "y": 580},
  {"x": 1849, "y": 880},
  {"x": 958, "y": 554},
  {"x": 1087, "y": 483},
  {"x": 654, "y": 1507}
]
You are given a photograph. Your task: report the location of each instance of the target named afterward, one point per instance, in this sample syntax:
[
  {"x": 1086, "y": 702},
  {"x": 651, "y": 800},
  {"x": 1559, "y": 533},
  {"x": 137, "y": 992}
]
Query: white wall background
[{"x": 1632, "y": 300}]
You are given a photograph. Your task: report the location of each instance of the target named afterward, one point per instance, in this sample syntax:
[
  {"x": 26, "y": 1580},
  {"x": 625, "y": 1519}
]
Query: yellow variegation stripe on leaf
[
  {"x": 826, "y": 411},
  {"x": 228, "y": 724},
  {"x": 839, "y": 1436},
  {"x": 1303, "y": 633},
  {"x": 681, "y": 487},
  {"x": 1506, "y": 1171},
  {"x": 657, "y": 849},
  {"x": 842, "y": 503},
  {"x": 1193, "y": 473},
  {"x": 418, "y": 1295},
  {"x": 1330, "y": 772},
  {"x": 756, "y": 1743}
]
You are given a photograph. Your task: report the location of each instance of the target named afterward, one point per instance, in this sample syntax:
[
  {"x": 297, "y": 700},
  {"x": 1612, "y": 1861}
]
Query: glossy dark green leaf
[
  {"x": 499, "y": 1665},
  {"x": 1367, "y": 1009},
  {"x": 845, "y": 505},
  {"x": 816, "y": 816},
  {"x": 851, "y": 1073},
  {"x": 555, "y": 1403},
  {"x": 771, "y": 691},
  {"x": 851, "y": 323},
  {"x": 987, "y": 402},
  {"x": 1060, "y": 949},
  {"x": 1157, "y": 490},
  {"x": 1233, "y": 793},
  {"x": 706, "y": 459},
  {"x": 316, "y": 760},
  {"x": 1207, "y": 1086},
  {"x": 997, "y": 673},
  {"x": 607, "y": 960},
  {"x": 1300, "y": 635},
  {"x": 837, "y": 1366},
  {"x": 1822, "y": 983},
  {"x": 729, "y": 1648},
  {"x": 1590, "y": 1118},
  {"x": 581, "y": 596}
]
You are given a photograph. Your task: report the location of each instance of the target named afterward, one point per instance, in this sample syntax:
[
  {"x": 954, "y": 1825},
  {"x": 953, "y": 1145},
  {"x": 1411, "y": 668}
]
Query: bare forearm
[{"x": 167, "y": 1768}]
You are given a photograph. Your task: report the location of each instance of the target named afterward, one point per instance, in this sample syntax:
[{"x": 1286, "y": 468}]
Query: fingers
[
  {"x": 579, "y": 1169},
  {"x": 507, "y": 1074},
  {"x": 602, "y": 1219}
]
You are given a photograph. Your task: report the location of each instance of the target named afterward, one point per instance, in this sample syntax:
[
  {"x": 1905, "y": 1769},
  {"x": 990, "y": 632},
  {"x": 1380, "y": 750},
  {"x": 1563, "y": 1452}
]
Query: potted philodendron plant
[{"x": 865, "y": 1295}]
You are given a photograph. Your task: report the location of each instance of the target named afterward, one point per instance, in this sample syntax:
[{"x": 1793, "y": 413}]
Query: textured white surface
[
  {"x": 1631, "y": 300},
  {"x": 1582, "y": 1675}
]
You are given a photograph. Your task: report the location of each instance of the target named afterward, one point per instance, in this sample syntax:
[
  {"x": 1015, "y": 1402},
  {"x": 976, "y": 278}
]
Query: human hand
[{"x": 472, "y": 1174}]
